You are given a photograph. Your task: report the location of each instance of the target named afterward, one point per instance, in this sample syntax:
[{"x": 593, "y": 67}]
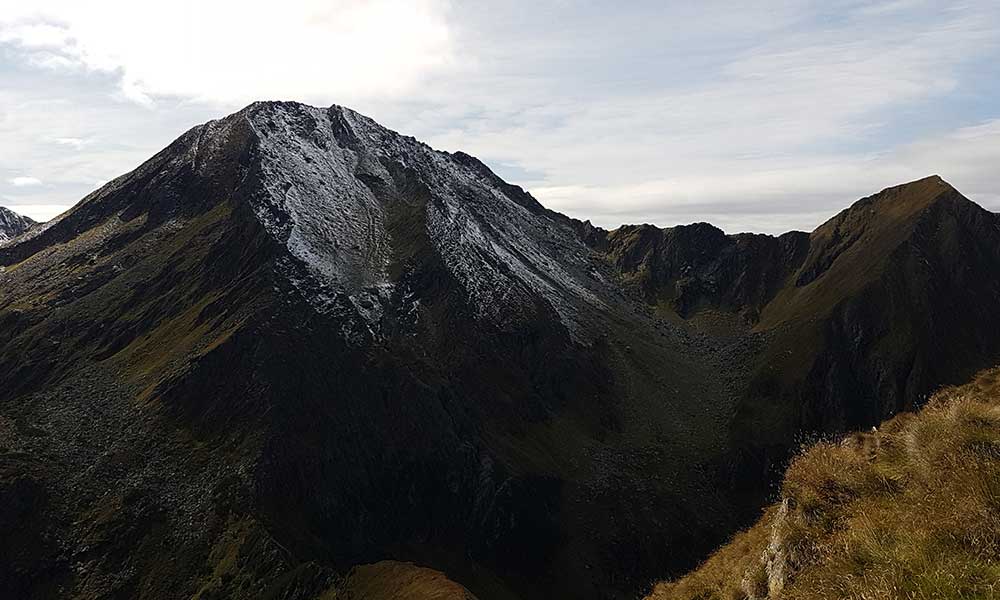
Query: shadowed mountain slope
[{"x": 294, "y": 342}]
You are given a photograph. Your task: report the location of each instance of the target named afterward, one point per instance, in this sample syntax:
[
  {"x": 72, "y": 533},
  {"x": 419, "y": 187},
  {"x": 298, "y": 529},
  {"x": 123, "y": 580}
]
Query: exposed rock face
[
  {"x": 12, "y": 224},
  {"x": 697, "y": 267},
  {"x": 780, "y": 558},
  {"x": 295, "y": 341}
]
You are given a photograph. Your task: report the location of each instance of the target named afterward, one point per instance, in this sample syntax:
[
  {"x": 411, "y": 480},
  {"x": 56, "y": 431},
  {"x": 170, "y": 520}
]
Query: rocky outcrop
[
  {"x": 697, "y": 267},
  {"x": 782, "y": 556}
]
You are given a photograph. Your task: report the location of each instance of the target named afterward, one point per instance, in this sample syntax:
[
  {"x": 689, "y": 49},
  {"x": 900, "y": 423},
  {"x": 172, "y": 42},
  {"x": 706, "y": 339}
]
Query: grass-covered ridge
[{"x": 911, "y": 510}]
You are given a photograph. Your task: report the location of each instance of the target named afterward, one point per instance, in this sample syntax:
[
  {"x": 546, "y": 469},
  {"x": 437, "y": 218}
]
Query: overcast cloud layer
[{"x": 762, "y": 116}]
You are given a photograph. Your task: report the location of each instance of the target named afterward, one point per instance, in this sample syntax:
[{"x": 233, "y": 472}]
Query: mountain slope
[
  {"x": 12, "y": 224},
  {"x": 907, "y": 511},
  {"x": 297, "y": 336}
]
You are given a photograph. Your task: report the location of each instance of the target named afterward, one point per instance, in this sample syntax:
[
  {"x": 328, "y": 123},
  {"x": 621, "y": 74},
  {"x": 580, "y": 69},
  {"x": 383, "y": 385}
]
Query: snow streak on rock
[{"x": 320, "y": 167}]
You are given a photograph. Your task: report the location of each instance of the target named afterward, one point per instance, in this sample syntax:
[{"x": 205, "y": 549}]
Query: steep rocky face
[
  {"x": 12, "y": 224},
  {"x": 694, "y": 268}
]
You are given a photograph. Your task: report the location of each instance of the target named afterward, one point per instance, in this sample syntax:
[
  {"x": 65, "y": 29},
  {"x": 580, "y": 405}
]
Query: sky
[{"x": 762, "y": 116}]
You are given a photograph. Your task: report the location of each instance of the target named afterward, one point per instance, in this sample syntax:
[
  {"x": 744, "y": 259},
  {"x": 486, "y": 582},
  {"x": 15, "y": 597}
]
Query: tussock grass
[{"x": 908, "y": 511}]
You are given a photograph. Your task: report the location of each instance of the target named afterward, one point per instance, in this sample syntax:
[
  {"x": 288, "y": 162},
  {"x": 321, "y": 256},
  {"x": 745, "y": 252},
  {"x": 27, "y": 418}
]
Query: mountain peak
[
  {"x": 353, "y": 204},
  {"x": 873, "y": 227},
  {"x": 908, "y": 197},
  {"x": 13, "y": 224},
  {"x": 893, "y": 206}
]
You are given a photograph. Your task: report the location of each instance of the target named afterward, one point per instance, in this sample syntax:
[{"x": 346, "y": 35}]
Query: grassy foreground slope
[{"x": 911, "y": 510}]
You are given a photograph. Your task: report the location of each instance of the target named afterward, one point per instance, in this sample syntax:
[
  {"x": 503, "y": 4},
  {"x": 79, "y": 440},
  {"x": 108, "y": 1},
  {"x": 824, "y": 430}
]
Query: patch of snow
[{"x": 313, "y": 201}]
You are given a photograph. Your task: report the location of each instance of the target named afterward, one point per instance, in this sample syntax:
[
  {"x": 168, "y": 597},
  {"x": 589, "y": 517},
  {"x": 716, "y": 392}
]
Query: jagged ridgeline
[{"x": 295, "y": 352}]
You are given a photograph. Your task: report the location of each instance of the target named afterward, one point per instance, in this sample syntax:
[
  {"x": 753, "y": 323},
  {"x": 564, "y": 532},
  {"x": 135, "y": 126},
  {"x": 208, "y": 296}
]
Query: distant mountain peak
[
  {"x": 896, "y": 202},
  {"x": 13, "y": 224}
]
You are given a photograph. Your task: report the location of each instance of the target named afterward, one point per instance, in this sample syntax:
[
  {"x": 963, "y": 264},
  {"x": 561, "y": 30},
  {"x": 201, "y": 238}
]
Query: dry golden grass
[{"x": 911, "y": 511}]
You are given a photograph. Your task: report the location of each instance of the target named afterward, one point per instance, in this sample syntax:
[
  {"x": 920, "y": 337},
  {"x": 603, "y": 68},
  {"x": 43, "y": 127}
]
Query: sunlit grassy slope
[{"x": 911, "y": 510}]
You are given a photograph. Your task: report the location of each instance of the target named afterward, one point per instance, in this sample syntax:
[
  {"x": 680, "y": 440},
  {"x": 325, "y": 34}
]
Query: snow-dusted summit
[
  {"x": 12, "y": 224},
  {"x": 358, "y": 209},
  {"x": 349, "y": 198}
]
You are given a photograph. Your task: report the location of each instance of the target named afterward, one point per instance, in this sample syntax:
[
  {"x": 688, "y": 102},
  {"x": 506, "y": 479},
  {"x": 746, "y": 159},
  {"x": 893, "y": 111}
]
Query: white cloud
[
  {"x": 71, "y": 141},
  {"x": 35, "y": 35},
  {"x": 796, "y": 193},
  {"x": 239, "y": 50},
  {"x": 24, "y": 181}
]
